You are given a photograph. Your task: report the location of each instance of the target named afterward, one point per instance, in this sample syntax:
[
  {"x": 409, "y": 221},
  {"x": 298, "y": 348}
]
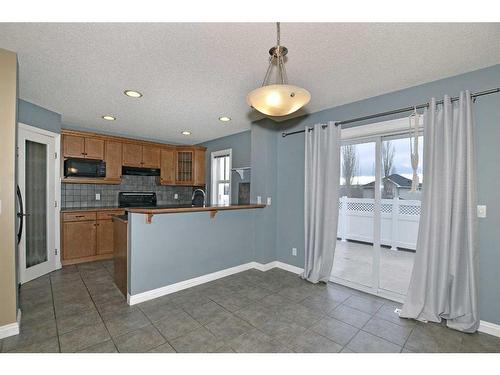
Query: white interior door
[{"x": 36, "y": 203}]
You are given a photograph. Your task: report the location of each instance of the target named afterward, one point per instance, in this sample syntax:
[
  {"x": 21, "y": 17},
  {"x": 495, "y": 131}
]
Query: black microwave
[{"x": 84, "y": 168}]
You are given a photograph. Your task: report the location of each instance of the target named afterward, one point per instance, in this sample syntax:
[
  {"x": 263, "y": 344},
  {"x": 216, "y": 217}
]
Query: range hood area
[{"x": 139, "y": 171}]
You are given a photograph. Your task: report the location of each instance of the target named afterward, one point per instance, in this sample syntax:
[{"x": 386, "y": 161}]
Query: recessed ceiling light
[
  {"x": 186, "y": 132},
  {"x": 109, "y": 118},
  {"x": 224, "y": 118},
  {"x": 132, "y": 93}
]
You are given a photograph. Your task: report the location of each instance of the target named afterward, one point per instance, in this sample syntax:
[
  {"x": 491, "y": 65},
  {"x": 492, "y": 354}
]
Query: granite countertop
[
  {"x": 102, "y": 208},
  {"x": 122, "y": 218}
]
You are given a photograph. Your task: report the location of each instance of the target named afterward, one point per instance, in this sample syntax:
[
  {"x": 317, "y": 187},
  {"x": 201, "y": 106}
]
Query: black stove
[{"x": 136, "y": 199}]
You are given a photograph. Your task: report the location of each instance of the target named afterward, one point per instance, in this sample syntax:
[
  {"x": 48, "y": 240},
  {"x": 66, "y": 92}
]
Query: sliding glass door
[
  {"x": 353, "y": 260},
  {"x": 378, "y": 215}
]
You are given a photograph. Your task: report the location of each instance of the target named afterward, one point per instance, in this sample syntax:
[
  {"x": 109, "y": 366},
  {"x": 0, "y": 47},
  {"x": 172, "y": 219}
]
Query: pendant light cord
[{"x": 278, "y": 34}]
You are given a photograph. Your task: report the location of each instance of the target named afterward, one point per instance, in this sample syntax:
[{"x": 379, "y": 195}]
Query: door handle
[{"x": 20, "y": 214}]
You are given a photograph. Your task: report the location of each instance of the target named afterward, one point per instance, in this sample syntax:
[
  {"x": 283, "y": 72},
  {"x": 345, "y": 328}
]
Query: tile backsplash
[{"x": 84, "y": 195}]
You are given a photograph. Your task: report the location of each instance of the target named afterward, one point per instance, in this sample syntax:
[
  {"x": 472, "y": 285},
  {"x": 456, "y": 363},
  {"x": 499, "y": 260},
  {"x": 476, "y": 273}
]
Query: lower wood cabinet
[
  {"x": 104, "y": 237},
  {"x": 79, "y": 240},
  {"x": 87, "y": 235}
]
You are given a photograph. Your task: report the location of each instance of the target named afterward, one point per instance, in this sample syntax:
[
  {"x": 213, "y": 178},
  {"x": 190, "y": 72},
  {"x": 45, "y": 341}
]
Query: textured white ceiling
[{"x": 190, "y": 74}]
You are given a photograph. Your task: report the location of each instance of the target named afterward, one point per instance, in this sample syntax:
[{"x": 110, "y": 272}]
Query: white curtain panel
[
  {"x": 321, "y": 193},
  {"x": 444, "y": 279}
]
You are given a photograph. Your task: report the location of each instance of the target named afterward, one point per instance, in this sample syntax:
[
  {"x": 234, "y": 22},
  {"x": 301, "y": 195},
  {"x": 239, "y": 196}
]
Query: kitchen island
[{"x": 169, "y": 248}]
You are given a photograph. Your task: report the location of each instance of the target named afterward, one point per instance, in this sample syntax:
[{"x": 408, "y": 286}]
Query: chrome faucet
[{"x": 194, "y": 194}]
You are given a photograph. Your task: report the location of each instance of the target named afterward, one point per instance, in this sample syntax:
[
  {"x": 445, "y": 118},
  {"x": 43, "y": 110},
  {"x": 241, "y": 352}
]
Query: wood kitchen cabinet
[
  {"x": 87, "y": 235},
  {"x": 179, "y": 165},
  {"x": 137, "y": 155},
  {"x": 199, "y": 167},
  {"x": 184, "y": 166},
  {"x": 132, "y": 154},
  {"x": 79, "y": 240},
  {"x": 113, "y": 161},
  {"x": 167, "y": 166},
  {"x": 150, "y": 156},
  {"x": 75, "y": 146},
  {"x": 104, "y": 237}
]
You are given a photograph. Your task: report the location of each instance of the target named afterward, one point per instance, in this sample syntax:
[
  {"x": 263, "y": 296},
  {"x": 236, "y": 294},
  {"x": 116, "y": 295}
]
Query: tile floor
[{"x": 79, "y": 309}]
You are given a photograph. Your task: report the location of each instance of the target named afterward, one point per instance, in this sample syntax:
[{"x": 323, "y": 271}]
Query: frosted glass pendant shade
[{"x": 278, "y": 100}]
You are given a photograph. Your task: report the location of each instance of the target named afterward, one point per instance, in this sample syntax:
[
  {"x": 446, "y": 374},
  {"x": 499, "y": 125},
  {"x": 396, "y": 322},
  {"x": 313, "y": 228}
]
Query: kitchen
[{"x": 108, "y": 178}]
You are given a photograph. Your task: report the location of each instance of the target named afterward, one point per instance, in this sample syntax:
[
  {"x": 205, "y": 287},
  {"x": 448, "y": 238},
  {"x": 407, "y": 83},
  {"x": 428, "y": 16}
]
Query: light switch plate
[
  {"x": 481, "y": 211},
  {"x": 176, "y": 196},
  {"x": 294, "y": 251},
  {"x": 97, "y": 196},
  {"x": 268, "y": 201}
]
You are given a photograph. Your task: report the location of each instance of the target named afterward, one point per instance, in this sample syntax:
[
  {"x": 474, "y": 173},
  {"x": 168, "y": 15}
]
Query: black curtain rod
[{"x": 396, "y": 111}]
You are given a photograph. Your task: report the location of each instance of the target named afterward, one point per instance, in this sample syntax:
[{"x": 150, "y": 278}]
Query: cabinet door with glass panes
[{"x": 184, "y": 166}]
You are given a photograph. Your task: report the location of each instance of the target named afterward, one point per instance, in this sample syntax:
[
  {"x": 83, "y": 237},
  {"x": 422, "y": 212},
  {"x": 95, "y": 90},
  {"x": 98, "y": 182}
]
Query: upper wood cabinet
[
  {"x": 179, "y": 165},
  {"x": 184, "y": 166},
  {"x": 113, "y": 160},
  {"x": 137, "y": 155},
  {"x": 167, "y": 166},
  {"x": 199, "y": 167},
  {"x": 150, "y": 156},
  {"x": 75, "y": 146},
  {"x": 132, "y": 154},
  {"x": 94, "y": 148}
]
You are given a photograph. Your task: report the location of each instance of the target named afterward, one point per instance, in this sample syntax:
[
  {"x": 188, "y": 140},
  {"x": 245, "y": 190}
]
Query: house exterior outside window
[{"x": 221, "y": 177}]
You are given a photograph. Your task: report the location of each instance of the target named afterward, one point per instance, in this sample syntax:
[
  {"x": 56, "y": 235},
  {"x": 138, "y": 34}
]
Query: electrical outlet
[
  {"x": 481, "y": 211},
  {"x": 268, "y": 201},
  {"x": 259, "y": 199},
  {"x": 97, "y": 196},
  {"x": 294, "y": 251},
  {"x": 176, "y": 196}
]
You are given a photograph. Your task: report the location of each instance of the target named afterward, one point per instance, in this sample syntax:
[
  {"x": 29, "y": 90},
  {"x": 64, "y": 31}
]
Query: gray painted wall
[
  {"x": 290, "y": 167},
  {"x": 182, "y": 246},
  {"x": 264, "y": 184},
  {"x": 240, "y": 144},
  {"x": 34, "y": 115}
]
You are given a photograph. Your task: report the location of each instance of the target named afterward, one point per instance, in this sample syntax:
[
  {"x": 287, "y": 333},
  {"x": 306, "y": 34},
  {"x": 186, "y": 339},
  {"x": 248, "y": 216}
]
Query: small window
[{"x": 221, "y": 177}]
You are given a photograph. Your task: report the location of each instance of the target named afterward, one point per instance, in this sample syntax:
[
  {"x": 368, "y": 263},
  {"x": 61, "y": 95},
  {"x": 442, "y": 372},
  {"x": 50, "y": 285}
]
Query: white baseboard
[
  {"x": 289, "y": 267},
  {"x": 168, "y": 289},
  {"x": 489, "y": 328},
  {"x": 12, "y": 328},
  {"x": 264, "y": 267},
  {"x": 172, "y": 288}
]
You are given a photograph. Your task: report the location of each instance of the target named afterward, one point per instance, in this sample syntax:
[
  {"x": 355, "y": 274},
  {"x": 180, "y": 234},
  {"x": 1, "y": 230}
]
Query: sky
[{"x": 402, "y": 163}]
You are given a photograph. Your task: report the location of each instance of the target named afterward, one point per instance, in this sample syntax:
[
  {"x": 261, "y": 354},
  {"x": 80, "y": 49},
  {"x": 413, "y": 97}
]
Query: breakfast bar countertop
[{"x": 170, "y": 209}]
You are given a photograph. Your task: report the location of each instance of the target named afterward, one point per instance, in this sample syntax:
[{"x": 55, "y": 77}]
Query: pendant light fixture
[{"x": 280, "y": 98}]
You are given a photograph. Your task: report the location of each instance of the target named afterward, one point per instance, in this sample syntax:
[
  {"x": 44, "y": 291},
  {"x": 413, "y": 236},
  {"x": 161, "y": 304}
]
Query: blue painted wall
[
  {"x": 240, "y": 144},
  {"x": 264, "y": 184},
  {"x": 181, "y": 246},
  {"x": 290, "y": 167},
  {"x": 34, "y": 115}
]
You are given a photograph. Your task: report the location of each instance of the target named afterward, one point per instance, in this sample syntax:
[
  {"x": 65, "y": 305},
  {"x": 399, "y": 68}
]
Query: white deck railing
[{"x": 399, "y": 222}]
